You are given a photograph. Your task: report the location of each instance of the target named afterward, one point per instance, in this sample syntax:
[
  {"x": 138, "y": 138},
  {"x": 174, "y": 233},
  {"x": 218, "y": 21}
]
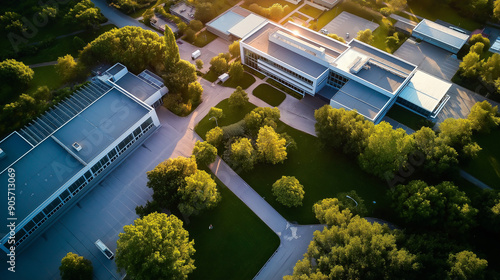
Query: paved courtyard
[
  {"x": 215, "y": 47},
  {"x": 429, "y": 58},
  {"x": 349, "y": 23}
]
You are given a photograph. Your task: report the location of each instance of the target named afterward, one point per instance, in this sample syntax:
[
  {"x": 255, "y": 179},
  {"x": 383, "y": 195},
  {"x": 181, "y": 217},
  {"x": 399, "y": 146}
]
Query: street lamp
[
  {"x": 352, "y": 200},
  {"x": 215, "y": 120}
]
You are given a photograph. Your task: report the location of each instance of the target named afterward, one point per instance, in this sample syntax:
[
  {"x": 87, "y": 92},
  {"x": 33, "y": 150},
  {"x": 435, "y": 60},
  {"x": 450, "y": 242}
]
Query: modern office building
[
  {"x": 352, "y": 76},
  {"x": 234, "y": 24},
  {"x": 451, "y": 39},
  {"x": 64, "y": 153}
]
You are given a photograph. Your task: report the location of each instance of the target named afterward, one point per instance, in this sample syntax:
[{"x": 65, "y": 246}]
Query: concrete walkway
[{"x": 474, "y": 180}]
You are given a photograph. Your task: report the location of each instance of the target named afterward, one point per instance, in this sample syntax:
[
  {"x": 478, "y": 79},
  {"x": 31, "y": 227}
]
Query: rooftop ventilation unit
[
  {"x": 2, "y": 154},
  {"x": 77, "y": 146}
]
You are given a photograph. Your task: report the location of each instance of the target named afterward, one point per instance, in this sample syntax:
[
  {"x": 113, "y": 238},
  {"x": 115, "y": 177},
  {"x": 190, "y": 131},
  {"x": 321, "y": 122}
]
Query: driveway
[
  {"x": 429, "y": 58},
  {"x": 349, "y": 23}
]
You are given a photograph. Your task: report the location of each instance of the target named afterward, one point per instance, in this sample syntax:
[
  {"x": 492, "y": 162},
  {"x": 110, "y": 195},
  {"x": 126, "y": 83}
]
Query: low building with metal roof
[
  {"x": 451, "y": 38},
  {"x": 64, "y": 153}
]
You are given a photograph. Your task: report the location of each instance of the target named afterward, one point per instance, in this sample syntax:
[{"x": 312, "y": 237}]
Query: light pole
[
  {"x": 352, "y": 200},
  {"x": 215, "y": 120}
]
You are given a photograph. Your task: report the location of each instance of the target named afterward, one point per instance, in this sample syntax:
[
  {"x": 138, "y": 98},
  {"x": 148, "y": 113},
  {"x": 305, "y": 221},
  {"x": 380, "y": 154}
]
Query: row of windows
[
  {"x": 81, "y": 182},
  {"x": 337, "y": 81},
  {"x": 253, "y": 57}
]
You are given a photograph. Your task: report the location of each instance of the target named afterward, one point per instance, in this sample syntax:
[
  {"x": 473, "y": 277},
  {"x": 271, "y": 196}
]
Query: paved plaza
[{"x": 429, "y": 58}]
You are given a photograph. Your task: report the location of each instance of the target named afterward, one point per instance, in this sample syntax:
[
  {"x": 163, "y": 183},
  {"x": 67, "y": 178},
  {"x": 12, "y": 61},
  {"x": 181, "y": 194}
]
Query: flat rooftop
[
  {"x": 14, "y": 146},
  {"x": 366, "y": 101},
  {"x": 374, "y": 66},
  {"x": 260, "y": 41},
  {"x": 136, "y": 86},
  {"x": 49, "y": 165},
  {"x": 441, "y": 33},
  {"x": 245, "y": 26},
  {"x": 115, "y": 69},
  {"x": 425, "y": 91},
  {"x": 226, "y": 21}
]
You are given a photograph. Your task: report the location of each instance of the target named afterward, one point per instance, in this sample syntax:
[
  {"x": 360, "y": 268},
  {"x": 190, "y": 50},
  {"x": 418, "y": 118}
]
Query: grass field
[
  {"x": 45, "y": 76},
  {"x": 486, "y": 167},
  {"x": 408, "y": 118},
  {"x": 311, "y": 11},
  {"x": 269, "y": 3},
  {"x": 238, "y": 245},
  {"x": 324, "y": 173},
  {"x": 244, "y": 83},
  {"x": 443, "y": 12},
  {"x": 269, "y": 94},
  {"x": 204, "y": 38}
]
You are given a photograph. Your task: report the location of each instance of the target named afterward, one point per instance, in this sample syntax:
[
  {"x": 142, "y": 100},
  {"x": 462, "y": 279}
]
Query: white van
[
  {"x": 196, "y": 54},
  {"x": 104, "y": 249}
]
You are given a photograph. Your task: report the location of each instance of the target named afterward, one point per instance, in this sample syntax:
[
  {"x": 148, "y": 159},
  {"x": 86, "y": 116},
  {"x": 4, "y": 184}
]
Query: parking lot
[
  {"x": 429, "y": 58},
  {"x": 347, "y": 23}
]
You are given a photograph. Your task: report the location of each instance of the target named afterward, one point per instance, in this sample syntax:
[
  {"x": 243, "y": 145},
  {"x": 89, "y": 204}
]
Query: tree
[
  {"x": 386, "y": 151},
  {"x": 199, "y": 193},
  {"x": 365, "y": 36},
  {"x": 196, "y": 25},
  {"x": 172, "y": 55},
  {"x": 75, "y": 267},
  {"x": 288, "y": 191},
  {"x": 15, "y": 73},
  {"x": 470, "y": 65},
  {"x": 479, "y": 38},
  {"x": 167, "y": 177},
  {"x": 339, "y": 128},
  {"x": 270, "y": 146},
  {"x": 352, "y": 248},
  {"x": 457, "y": 133},
  {"x": 439, "y": 157},
  {"x": 483, "y": 116},
  {"x": 236, "y": 71},
  {"x": 260, "y": 117},
  {"x": 477, "y": 48},
  {"x": 218, "y": 64},
  {"x": 352, "y": 201},
  {"x": 393, "y": 41},
  {"x": 490, "y": 69},
  {"x": 195, "y": 90},
  {"x": 442, "y": 206},
  {"x": 199, "y": 64},
  {"x": 234, "y": 49},
  {"x": 190, "y": 35},
  {"x": 466, "y": 265},
  {"x": 242, "y": 155},
  {"x": 183, "y": 75},
  {"x": 66, "y": 67},
  {"x": 238, "y": 98},
  {"x": 276, "y": 11},
  {"x": 155, "y": 247},
  {"x": 336, "y": 37},
  {"x": 496, "y": 9},
  {"x": 214, "y": 136},
  {"x": 215, "y": 113},
  {"x": 204, "y": 12},
  {"x": 11, "y": 22},
  {"x": 85, "y": 14},
  {"x": 204, "y": 153}
]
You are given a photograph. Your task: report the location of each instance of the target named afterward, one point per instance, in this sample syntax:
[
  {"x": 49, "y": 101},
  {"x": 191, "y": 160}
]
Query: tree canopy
[
  {"x": 260, "y": 117},
  {"x": 483, "y": 116},
  {"x": 442, "y": 206},
  {"x": 16, "y": 73},
  {"x": 238, "y": 98},
  {"x": 271, "y": 147},
  {"x": 155, "y": 247},
  {"x": 204, "y": 153},
  {"x": 352, "y": 248},
  {"x": 466, "y": 265},
  {"x": 288, "y": 191},
  {"x": 214, "y": 136},
  {"x": 365, "y": 36},
  {"x": 75, "y": 267},
  {"x": 236, "y": 71},
  {"x": 199, "y": 193},
  {"x": 243, "y": 155}
]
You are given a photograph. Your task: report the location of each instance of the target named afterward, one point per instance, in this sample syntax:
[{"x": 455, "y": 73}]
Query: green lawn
[
  {"x": 204, "y": 38},
  {"x": 244, "y": 83},
  {"x": 64, "y": 46},
  {"x": 45, "y": 76},
  {"x": 311, "y": 11},
  {"x": 210, "y": 76},
  {"x": 324, "y": 173},
  {"x": 299, "y": 16},
  {"x": 285, "y": 89},
  {"x": 327, "y": 16},
  {"x": 408, "y": 118},
  {"x": 231, "y": 115},
  {"x": 238, "y": 245},
  {"x": 443, "y": 12},
  {"x": 269, "y": 94},
  {"x": 486, "y": 167}
]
